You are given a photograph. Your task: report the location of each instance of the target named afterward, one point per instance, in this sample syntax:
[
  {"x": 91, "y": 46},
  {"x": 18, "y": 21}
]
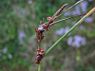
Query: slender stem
[
  {"x": 39, "y": 67},
  {"x": 72, "y": 28},
  {"x": 56, "y": 16},
  {"x": 58, "y": 12},
  {"x": 73, "y": 5},
  {"x": 60, "y": 21}
]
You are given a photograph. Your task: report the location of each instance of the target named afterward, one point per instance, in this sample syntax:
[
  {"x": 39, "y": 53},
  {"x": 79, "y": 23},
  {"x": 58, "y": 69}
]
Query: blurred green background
[{"x": 17, "y": 36}]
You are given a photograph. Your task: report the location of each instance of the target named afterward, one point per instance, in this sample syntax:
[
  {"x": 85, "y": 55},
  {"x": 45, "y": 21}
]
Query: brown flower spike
[
  {"x": 40, "y": 55},
  {"x": 45, "y": 26},
  {"x": 40, "y": 32}
]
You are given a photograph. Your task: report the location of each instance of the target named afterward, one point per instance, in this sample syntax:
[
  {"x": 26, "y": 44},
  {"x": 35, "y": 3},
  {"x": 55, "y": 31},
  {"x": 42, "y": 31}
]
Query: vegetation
[{"x": 17, "y": 36}]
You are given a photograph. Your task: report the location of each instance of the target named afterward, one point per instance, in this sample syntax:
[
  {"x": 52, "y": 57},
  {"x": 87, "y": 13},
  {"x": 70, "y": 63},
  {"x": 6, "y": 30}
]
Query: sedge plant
[{"x": 40, "y": 52}]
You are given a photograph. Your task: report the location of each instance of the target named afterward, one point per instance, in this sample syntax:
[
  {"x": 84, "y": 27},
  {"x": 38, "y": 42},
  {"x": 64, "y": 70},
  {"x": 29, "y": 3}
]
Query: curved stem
[
  {"x": 55, "y": 22},
  {"x": 72, "y": 28},
  {"x": 73, "y": 5}
]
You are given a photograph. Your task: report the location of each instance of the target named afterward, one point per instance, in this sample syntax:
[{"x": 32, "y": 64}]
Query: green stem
[
  {"x": 72, "y": 28},
  {"x": 39, "y": 67},
  {"x": 73, "y": 5},
  {"x": 59, "y": 21}
]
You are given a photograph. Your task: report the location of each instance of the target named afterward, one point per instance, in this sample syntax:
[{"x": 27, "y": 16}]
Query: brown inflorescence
[
  {"x": 40, "y": 32},
  {"x": 40, "y": 55}
]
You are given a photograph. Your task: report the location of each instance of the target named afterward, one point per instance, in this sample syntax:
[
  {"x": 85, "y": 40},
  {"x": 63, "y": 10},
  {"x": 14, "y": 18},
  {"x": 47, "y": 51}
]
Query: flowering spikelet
[{"x": 40, "y": 55}]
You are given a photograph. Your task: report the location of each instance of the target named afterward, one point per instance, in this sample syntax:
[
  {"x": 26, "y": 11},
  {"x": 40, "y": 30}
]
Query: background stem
[{"x": 39, "y": 67}]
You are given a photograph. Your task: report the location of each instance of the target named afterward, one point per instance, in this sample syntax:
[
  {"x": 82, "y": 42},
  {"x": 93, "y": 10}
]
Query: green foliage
[{"x": 19, "y": 16}]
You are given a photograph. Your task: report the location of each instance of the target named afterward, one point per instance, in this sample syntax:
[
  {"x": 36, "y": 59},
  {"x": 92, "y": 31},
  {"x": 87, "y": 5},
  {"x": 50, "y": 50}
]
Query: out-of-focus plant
[{"x": 10, "y": 37}]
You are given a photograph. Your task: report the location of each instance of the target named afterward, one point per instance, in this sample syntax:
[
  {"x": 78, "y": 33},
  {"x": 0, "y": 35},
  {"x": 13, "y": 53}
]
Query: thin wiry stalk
[
  {"x": 59, "y": 21},
  {"x": 59, "y": 12},
  {"x": 72, "y": 28},
  {"x": 73, "y": 5}
]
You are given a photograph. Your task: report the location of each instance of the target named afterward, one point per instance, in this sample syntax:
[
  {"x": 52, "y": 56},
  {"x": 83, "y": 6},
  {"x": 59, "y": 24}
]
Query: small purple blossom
[
  {"x": 76, "y": 41},
  {"x": 67, "y": 13},
  {"x": 76, "y": 11},
  {"x": 62, "y": 31},
  {"x": 21, "y": 35},
  {"x": 84, "y": 5},
  {"x": 89, "y": 20}
]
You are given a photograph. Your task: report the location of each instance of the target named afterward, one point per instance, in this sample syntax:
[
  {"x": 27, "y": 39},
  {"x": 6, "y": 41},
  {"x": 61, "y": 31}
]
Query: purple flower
[
  {"x": 67, "y": 13},
  {"x": 70, "y": 40},
  {"x": 89, "y": 20},
  {"x": 76, "y": 41},
  {"x": 21, "y": 35},
  {"x": 62, "y": 31},
  {"x": 76, "y": 11},
  {"x": 84, "y": 5}
]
